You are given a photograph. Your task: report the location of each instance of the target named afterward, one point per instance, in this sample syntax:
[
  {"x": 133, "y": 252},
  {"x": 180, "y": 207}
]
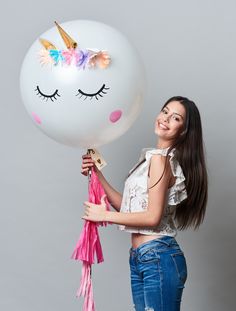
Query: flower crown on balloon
[{"x": 73, "y": 55}]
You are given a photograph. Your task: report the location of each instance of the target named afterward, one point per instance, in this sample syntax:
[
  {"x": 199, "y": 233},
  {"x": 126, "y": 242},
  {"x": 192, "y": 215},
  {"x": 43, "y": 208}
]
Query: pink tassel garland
[{"x": 89, "y": 244}]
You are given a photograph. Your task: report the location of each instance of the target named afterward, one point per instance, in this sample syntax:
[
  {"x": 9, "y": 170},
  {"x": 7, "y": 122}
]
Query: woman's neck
[{"x": 163, "y": 144}]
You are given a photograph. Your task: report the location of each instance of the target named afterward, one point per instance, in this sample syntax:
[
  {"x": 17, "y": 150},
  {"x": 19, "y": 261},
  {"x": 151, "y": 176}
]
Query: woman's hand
[
  {"x": 87, "y": 163},
  {"x": 95, "y": 212}
]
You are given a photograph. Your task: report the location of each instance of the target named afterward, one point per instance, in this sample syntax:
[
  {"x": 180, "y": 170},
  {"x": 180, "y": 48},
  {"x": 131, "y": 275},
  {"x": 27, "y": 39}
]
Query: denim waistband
[{"x": 165, "y": 240}]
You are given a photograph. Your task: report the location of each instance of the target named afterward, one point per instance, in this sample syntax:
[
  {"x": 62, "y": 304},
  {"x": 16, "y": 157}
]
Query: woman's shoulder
[
  {"x": 149, "y": 152},
  {"x": 174, "y": 164}
]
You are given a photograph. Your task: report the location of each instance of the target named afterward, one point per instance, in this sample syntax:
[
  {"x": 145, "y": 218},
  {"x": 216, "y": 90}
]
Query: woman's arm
[
  {"x": 156, "y": 201},
  {"x": 113, "y": 196}
]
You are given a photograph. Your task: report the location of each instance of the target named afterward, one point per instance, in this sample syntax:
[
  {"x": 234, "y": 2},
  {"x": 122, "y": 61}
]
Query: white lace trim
[
  {"x": 177, "y": 193},
  {"x": 135, "y": 196}
]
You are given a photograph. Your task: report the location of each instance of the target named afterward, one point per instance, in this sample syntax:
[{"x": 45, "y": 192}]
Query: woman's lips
[{"x": 162, "y": 126}]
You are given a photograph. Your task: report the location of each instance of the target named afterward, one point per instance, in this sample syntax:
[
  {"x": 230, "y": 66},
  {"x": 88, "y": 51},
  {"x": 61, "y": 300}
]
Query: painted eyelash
[
  {"x": 102, "y": 90},
  {"x": 41, "y": 94}
]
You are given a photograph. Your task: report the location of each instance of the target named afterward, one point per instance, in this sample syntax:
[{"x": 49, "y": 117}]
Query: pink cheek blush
[
  {"x": 36, "y": 118},
  {"x": 115, "y": 116}
]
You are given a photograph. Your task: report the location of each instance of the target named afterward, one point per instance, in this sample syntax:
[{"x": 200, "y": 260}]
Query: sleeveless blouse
[{"x": 135, "y": 194}]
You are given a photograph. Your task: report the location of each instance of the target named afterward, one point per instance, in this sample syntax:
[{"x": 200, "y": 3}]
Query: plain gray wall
[{"x": 188, "y": 48}]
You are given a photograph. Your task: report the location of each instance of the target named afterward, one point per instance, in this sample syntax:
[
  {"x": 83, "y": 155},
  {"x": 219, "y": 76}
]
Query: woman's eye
[
  {"x": 164, "y": 111},
  {"x": 176, "y": 118},
  {"x": 46, "y": 96},
  {"x": 102, "y": 91}
]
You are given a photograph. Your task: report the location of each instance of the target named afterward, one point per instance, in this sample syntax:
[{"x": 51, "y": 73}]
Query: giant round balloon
[{"x": 82, "y": 83}]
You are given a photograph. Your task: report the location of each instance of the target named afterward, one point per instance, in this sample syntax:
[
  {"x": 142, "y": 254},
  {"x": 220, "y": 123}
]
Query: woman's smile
[{"x": 162, "y": 126}]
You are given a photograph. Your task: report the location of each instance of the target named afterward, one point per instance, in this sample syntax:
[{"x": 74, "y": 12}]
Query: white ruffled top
[{"x": 135, "y": 194}]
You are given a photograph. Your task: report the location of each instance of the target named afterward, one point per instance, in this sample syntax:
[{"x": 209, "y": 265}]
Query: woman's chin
[{"x": 160, "y": 133}]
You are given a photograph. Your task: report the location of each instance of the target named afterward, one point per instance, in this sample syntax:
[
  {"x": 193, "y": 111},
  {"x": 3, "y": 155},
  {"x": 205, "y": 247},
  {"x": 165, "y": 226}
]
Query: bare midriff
[{"x": 137, "y": 238}]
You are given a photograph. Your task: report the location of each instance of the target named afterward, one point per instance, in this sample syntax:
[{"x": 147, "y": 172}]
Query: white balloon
[{"x": 54, "y": 95}]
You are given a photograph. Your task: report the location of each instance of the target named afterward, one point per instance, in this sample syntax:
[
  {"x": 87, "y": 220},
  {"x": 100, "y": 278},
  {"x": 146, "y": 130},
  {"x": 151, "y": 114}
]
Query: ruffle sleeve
[
  {"x": 150, "y": 152},
  {"x": 177, "y": 193}
]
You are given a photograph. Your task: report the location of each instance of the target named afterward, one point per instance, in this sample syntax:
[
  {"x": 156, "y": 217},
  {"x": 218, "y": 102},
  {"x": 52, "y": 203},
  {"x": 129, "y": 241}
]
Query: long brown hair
[{"x": 189, "y": 152}]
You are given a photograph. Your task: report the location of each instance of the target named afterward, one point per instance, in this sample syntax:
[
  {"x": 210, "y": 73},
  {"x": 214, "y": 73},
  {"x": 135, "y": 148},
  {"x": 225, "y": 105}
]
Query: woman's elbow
[{"x": 153, "y": 221}]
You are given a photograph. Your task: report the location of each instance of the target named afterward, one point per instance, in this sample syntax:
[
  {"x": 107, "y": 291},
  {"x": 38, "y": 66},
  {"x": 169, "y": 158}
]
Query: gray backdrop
[{"x": 189, "y": 49}]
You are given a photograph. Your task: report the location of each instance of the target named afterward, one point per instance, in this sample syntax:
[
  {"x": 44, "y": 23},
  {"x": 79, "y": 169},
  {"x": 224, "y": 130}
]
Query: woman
[{"x": 167, "y": 190}]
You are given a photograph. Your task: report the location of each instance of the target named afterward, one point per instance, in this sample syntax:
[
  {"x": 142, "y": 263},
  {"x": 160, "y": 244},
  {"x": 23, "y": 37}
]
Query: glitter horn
[{"x": 69, "y": 42}]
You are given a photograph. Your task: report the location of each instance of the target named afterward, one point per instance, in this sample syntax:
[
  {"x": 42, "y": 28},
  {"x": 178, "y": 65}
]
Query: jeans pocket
[
  {"x": 180, "y": 265},
  {"x": 148, "y": 256}
]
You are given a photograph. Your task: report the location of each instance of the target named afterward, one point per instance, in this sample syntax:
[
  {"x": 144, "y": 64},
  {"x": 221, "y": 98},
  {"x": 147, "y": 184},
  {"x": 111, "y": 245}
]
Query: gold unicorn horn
[
  {"x": 47, "y": 44},
  {"x": 69, "y": 42}
]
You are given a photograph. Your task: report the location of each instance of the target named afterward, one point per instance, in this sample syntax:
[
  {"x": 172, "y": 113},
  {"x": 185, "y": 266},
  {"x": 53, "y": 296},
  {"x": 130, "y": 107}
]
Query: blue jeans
[{"x": 158, "y": 272}]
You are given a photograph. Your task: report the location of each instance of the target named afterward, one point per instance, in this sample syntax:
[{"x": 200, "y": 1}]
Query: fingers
[
  {"x": 86, "y": 156},
  {"x": 85, "y": 171},
  {"x": 86, "y": 208},
  {"x": 87, "y": 164},
  {"x": 86, "y": 212},
  {"x": 94, "y": 212},
  {"x": 87, "y": 159}
]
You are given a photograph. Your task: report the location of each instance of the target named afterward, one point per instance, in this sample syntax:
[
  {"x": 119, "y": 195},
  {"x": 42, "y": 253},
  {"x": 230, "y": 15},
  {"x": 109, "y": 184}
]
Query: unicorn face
[{"x": 82, "y": 83}]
